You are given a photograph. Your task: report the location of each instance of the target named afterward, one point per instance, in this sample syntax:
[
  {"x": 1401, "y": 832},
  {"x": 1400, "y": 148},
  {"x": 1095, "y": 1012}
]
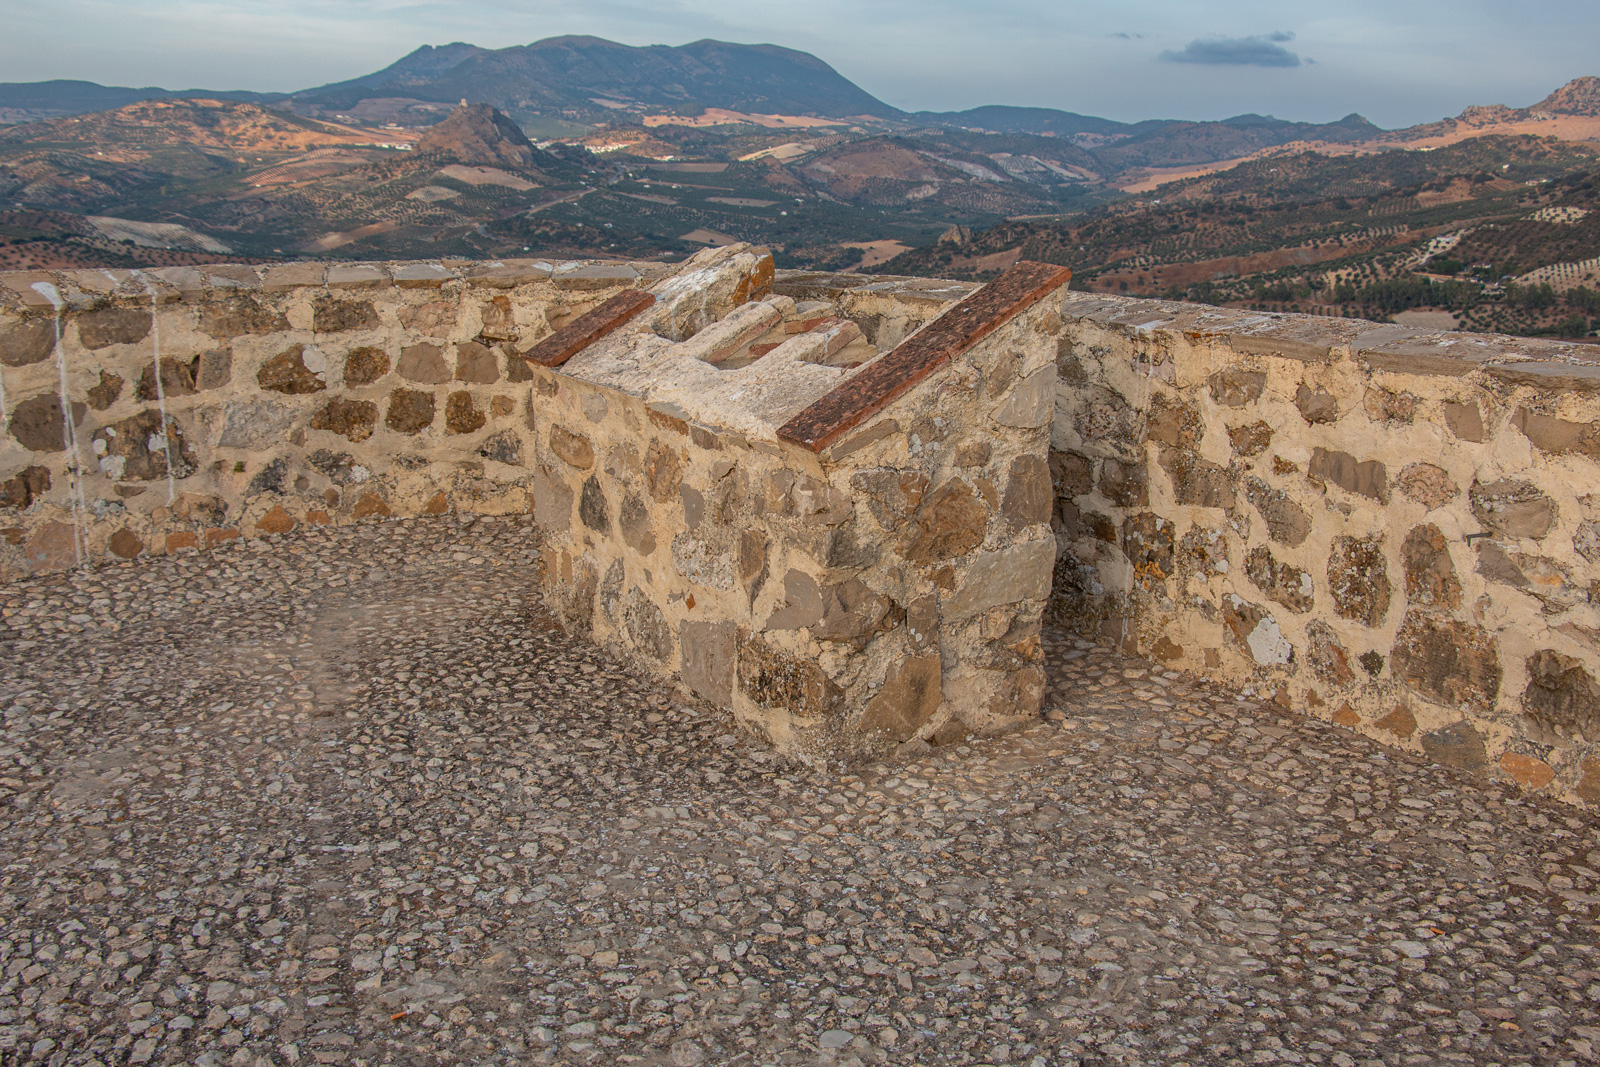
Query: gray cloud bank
[{"x": 1255, "y": 51}]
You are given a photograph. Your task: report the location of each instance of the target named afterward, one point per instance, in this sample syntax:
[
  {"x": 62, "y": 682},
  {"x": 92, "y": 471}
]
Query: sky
[{"x": 1395, "y": 63}]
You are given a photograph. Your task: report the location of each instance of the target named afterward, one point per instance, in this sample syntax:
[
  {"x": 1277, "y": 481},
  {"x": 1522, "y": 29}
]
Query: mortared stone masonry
[{"x": 840, "y": 505}]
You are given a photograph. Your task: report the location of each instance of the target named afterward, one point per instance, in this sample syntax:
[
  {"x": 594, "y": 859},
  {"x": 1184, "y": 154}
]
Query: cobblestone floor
[{"x": 348, "y": 798}]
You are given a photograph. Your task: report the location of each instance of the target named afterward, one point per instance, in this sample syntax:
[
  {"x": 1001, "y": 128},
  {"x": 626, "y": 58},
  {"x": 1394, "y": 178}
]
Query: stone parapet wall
[
  {"x": 1392, "y": 529},
  {"x": 285, "y": 395},
  {"x": 832, "y": 504},
  {"x": 841, "y": 600}
]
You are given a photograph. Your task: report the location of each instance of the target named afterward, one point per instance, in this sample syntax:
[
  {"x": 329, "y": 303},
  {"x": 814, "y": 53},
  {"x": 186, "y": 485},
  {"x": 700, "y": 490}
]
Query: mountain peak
[
  {"x": 479, "y": 133},
  {"x": 1580, "y": 96}
]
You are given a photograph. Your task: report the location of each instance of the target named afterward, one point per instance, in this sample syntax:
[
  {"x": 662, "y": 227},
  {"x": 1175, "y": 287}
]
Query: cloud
[{"x": 1255, "y": 51}]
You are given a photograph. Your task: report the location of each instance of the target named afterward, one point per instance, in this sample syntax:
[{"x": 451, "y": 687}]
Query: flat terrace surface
[{"x": 348, "y": 797}]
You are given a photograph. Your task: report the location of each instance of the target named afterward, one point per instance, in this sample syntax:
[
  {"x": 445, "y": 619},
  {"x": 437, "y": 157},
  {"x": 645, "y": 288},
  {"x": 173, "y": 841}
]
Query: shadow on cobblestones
[{"x": 349, "y": 797}]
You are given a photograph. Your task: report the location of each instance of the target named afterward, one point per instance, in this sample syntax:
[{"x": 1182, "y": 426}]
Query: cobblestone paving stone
[{"x": 348, "y": 797}]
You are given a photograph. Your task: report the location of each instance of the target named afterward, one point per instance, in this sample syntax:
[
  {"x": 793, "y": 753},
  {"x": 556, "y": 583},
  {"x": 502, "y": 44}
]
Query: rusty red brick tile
[
  {"x": 760, "y": 350},
  {"x": 589, "y": 327},
  {"x": 884, "y": 379}
]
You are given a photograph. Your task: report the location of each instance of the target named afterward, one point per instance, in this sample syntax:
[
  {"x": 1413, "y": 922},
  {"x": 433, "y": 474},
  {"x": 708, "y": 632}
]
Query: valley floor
[{"x": 348, "y": 797}]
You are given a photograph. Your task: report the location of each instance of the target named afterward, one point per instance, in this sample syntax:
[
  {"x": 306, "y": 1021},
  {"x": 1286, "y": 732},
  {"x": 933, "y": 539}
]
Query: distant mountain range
[
  {"x": 594, "y": 81},
  {"x": 582, "y": 146}
]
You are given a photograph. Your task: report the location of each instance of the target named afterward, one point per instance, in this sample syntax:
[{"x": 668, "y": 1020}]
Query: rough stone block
[
  {"x": 54, "y": 546},
  {"x": 1558, "y": 436},
  {"x": 853, "y": 613},
  {"x": 908, "y": 700},
  {"x": 113, "y": 326},
  {"x": 1173, "y": 423},
  {"x": 256, "y": 424},
  {"x": 552, "y": 501},
  {"x": 1126, "y": 485},
  {"x": 1198, "y": 482},
  {"x": 1562, "y": 695},
  {"x": 354, "y": 419},
  {"x": 891, "y": 494},
  {"x": 1256, "y": 631},
  {"x": 461, "y": 414},
  {"x": 424, "y": 364},
  {"x": 1071, "y": 475},
  {"x": 138, "y": 448},
  {"x": 125, "y": 544},
  {"x": 1428, "y": 485},
  {"x": 593, "y": 509},
  {"x": 329, "y": 314},
  {"x": 1006, "y": 576},
  {"x": 1457, "y": 745},
  {"x": 433, "y": 319},
  {"x": 707, "y": 654},
  {"x": 1400, "y": 722},
  {"x": 23, "y": 488},
  {"x": 287, "y": 372},
  {"x": 1251, "y": 440},
  {"x": 1280, "y": 581},
  {"x": 215, "y": 369},
  {"x": 241, "y": 315},
  {"x": 773, "y": 678},
  {"x": 1148, "y": 542},
  {"x": 802, "y": 603},
  {"x": 571, "y": 448},
  {"x": 1028, "y": 494},
  {"x": 1448, "y": 661},
  {"x": 39, "y": 423},
  {"x": 1430, "y": 575},
  {"x": 365, "y": 365},
  {"x": 476, "y": 364},
  {"x": 1329, "y": 659},
  {"x": 1384, "y": 405},
  {"x": 633, "y": 520},
  {"x": 27, "y": 343},
  {"x": 177, "y": 379},
  {"x": 1358, "y": 579},
  {"x": 1030, "y": 403},
  {"x": 1513, "y": 508},
  {"x": 951, "y": 521},
  {"x": 410, "y": 411},
  {"x": 1235, "y": 388},
  {"x": 1317, "y": 405},
  {"x": 1368, "y": 478},
  {"x": 1465, "y": 421}
]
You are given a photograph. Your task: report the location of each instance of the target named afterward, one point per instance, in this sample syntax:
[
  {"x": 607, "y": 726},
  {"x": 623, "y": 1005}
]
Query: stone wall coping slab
[
  {"x": 422, "y": 276},
  {"x": 506, "y": 274},
  {"x": 357, "y": 276},
  {"x": 589, "y": 327}
]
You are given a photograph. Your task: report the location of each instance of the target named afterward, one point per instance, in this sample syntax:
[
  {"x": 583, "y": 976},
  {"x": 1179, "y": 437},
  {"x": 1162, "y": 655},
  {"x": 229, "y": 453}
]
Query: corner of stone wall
[{"x": 883, "y": 591}]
